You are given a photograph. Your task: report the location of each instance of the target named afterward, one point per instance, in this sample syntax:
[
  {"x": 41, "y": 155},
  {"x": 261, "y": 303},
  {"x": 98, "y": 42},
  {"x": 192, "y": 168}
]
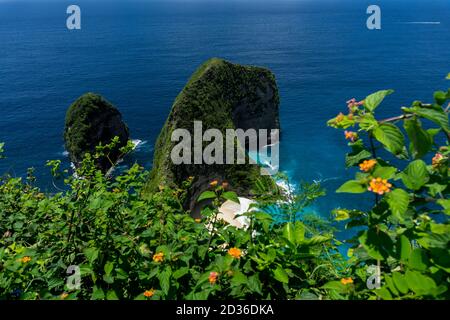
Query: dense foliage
[
  {"x": 406, "y": 235},
  {"x": 129, "y": 246},
  {"x": 133, "y": 247}
]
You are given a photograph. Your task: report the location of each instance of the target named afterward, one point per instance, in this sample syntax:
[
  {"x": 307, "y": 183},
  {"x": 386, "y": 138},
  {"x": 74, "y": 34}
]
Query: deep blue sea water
[{"x": 139, "y": 55}]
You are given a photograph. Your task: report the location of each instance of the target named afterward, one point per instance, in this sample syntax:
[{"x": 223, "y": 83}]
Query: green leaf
[
  {"x": 91, "y": 254},
  {"x": 435, "y": 188},
  {"x": 377, "y": 244},
  {"x": 180, "y": 272},
  {"x": 421, "y": 141},
  {"x": 398, "y": 201},
  {"x": 415, "y": 175},
  {"x": 206, "y": 195},
  {"x": 418, "y": 260},
  {"x": 354, "y": 159},
  {"x": 391, "y": 137},
  {"x": 341, "y": 214},
  {"x": 373, "y": 101},
  {"x": 368, "y": 122},
  {"x": 433, "y": 132},
  {"x": 97, "y": 294},
  {"x": 281, "y": 275},
  {"x": 384, "y": 293},
  {"x": 384, "y": 172},
  {"x": 390, "y": 285},
  {"x": 111, "y": 295},
  {"x": 164, "y": 280},
  {"x": 400, "y": 282},
  {"x": 108, "y": 278},
  {"x": 343, "y": 123},
  {"x": 445, "y": 203},
  {"x": 437, "y": 116},
  {"x": 440, "y": 97},
  {"x": 299, "y": 232},
  {"x": 352, "y": 186},
  {"x": 254, "y": 284},
  {"x": 108, "y": 267},
  {"x": 419, "y": 283},
  {"x": 288, "y": 232},
  {"x": 238, "y": 278},
  {"x": 316, "y": 240},
  {"x": 404, "y": 248},
  {"x": 334, "y": 285},
  {"x": 230, "y": 195}
]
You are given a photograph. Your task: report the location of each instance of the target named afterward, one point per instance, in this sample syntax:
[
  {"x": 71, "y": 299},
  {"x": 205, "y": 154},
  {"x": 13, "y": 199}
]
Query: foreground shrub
[
  {"x": 126, "y": 246},
  {"x": 405, "y": 237}
]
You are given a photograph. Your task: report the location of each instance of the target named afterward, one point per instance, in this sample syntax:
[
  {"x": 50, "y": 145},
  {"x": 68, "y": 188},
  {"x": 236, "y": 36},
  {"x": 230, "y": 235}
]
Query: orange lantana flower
[
  {"x": 350, "y": 135},
  {"x": 235, "y": 253},
  {"x": 367, "y": 165},
  {"x": 379, "y": 186},
  {"x": 346, "y": 281},
  {"x": 339, "y": 117},
  {"x": 158, "y": 257},
  {"x": 26, "y": 259},
  {"x": 214, "y": 183},
  {"x": 213, "y": 277},
  {"x": 63, "y": 295},
  {"x": 437, "y": 160},
  {"x": 149, "y": 293}
]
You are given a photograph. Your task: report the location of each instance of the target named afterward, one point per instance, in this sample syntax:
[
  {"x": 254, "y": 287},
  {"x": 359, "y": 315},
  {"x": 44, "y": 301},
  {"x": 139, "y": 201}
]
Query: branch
[{"x": 397, "y": 118}]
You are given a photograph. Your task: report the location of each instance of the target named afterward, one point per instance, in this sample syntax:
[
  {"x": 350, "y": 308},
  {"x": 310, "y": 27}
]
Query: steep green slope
[{"x": 223, "y": 96}]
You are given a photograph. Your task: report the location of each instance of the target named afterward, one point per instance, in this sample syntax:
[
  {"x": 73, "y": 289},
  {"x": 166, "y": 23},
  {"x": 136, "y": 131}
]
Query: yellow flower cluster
[
  {"x": 379, "y": 186},
  {"x": 158, "y": 257},
  {"x": 235, "y": 253},
  {"x": 346, "y": 281},
  {"x": 437, "y": 160},
  {"x": 350, "y": 135},
  {"x": 213, "y": 277},
  {"x": 367, "y": 165},
  {"x": 149, "y": 293},
  {"x": 214, "y": 183}
]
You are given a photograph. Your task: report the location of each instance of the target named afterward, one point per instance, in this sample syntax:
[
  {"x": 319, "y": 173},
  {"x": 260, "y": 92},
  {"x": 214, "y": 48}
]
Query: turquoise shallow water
[{"x": 140, "y": 54}]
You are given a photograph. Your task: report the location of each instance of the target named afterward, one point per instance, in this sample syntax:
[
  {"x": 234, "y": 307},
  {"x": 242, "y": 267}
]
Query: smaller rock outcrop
[{"x": 92, "y": 120}]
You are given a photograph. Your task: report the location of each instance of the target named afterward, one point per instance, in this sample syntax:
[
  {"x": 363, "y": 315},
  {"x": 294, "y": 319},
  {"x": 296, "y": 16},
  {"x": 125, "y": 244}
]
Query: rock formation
[
  {"x": 223, "y": 96},
  {"x": 92, "y": 120}
]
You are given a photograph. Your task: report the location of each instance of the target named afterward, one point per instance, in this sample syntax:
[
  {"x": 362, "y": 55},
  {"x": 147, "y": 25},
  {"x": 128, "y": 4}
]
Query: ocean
[{"x": 140, "y": 54}]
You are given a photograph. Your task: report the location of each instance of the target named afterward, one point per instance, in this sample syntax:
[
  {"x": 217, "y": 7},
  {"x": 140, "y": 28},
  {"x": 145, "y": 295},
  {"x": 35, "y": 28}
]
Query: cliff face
[
  {"x": 223, "y": 96},
  {"x": 92, "y": 120}
]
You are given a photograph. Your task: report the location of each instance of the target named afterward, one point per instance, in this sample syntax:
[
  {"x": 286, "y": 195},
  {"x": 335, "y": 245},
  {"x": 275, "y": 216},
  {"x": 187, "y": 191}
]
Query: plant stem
[{"x": 397, "y": 118}]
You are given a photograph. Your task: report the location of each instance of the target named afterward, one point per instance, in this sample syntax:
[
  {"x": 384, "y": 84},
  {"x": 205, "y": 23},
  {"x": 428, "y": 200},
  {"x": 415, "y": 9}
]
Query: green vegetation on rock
[
  {"x": 223, "y": 96},
  {"x": 91, "y": 121}
]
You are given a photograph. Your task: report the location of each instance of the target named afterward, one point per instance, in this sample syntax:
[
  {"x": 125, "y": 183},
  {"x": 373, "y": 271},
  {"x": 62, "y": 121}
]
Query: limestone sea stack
[
  {"x": 92, "y": 120},
  {"x": 221, "y": 95}
]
